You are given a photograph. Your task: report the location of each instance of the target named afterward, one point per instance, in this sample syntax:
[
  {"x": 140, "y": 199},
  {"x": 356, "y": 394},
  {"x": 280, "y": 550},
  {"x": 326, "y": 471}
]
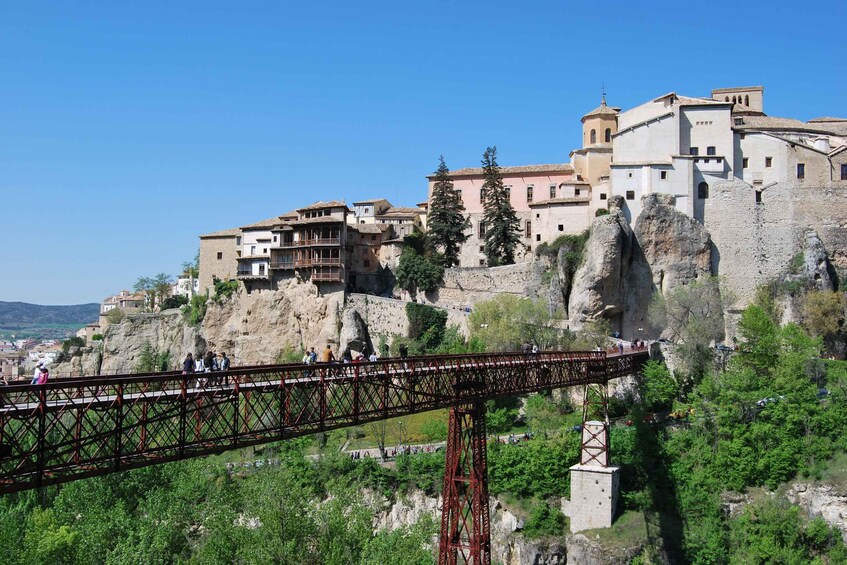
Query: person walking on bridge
[
  {"x": 188, "y": 365},
  {"x": 326, "y": 355}
]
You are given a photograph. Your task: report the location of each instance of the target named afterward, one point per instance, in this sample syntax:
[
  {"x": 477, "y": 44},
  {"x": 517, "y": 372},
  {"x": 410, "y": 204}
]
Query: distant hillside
[{"x": 23, "y": 314}]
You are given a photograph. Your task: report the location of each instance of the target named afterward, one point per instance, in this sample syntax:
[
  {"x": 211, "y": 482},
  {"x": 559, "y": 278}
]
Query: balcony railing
[
  {"x": 245, "y": 274},
  {"x": 311, "y": 242}
]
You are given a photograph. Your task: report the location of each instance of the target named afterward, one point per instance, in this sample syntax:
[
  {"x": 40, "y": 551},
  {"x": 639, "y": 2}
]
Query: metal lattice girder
[
  {"x": 465, "y": 534},
  {"x": 69, "y": 429},
  {"x": 595, "y": 426}
]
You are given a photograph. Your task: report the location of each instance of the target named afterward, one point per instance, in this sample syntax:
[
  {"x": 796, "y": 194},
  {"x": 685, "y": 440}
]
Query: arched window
[
  {"x": 733, "y": 99},
  {"x": 702, "y": 190},
  {"x": 608, "y": 135},
  {"x": 593, "y": 137},
  {"x": 726, "y": 98},
  {"x": 746, "y": 100}
]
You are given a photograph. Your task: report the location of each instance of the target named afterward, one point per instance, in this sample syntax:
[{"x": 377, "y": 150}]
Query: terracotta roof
[
  {"x": 320, "y": 205},
  {"x": 232, "y": 232},
  {"x": 576, "y": 200},
  {"x": 263, "y": 224},
  {"x": 737, "y": 88},
  {"x": 551, "y": 168},
  {"x": 826, "y": 120},
  {"x": 401, "y": 211},
  {"x": 321, "y": 220},
  {"x": 370, "y": 228},
  {"x": 769, "y": 123},
  {"x": 371, "y": 201},
  {"x": 602, "y": 110},
  {"x": 691, "y": 101}
]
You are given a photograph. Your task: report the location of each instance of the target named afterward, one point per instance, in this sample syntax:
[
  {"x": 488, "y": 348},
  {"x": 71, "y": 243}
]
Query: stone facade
[{"x": 218, "y": 257}]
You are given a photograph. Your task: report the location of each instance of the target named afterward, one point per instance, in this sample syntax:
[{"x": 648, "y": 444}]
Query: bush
[
  {"x": 544, "y": 521},
  {"x": 174, "y": 301},
  {"x": 97, "y": 337},
  {"x": 195, "y": 310},
  {"x": 75, "y": 341},
  {"x": 224, "y": 289},
  {"x": 601, "y": 212},
  {"x": 426, "y": 324}
]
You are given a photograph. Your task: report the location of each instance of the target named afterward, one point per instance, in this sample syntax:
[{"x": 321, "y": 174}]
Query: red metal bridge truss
[{"x": 70, "y": 429}]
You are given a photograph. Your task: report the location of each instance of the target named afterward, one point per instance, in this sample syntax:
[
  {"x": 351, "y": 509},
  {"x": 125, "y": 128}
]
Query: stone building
[{"x": 219, "y": 252}]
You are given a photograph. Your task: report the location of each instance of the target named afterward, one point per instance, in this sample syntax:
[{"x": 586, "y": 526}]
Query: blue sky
[{"x": 125, "y": 132}]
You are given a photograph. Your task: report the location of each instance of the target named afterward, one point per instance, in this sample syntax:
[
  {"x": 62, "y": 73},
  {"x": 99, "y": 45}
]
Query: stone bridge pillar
[{"x": 594, "y": 482}]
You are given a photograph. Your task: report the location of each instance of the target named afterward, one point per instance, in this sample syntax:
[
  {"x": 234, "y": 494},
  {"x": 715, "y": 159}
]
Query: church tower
[{"x": 591, "y": 162}]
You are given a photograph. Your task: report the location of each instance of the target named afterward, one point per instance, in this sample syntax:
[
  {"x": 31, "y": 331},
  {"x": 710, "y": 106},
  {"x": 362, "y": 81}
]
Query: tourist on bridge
[
  {"x": 188, "y": 365},
  {"x": 210, "y": 363},
  {"x": 45, "y": 374},
  {"x": 37, "y": 373},
  {"x": 223, "y": 362},
  {"x": 326, "y": 355}
]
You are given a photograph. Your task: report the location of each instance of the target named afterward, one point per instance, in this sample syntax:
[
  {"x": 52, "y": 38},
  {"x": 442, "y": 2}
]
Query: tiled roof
[
  {"x": 577, "y": 200},
  {"x": 826, "y": 120},
  {"x": 321, "y": 220},
  {"x": 263, "y": 224},
  {"x": 371, "y": 201},
  {"x": 320, "y": 205},
  {"x": 781, "y": 124},
  {"x": 232, "y": 232},
  {"x": 401, "y": 211},
  {"x": 602, "y": 110},
  {"x": 371, "y": 228},
  {"x": 552, "y": 168}
]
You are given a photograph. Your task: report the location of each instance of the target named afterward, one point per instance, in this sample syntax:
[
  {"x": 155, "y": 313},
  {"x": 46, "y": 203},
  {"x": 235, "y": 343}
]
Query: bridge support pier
[
  {"x": 594, "y": 482},
  {"x": 465, "y": 533}
]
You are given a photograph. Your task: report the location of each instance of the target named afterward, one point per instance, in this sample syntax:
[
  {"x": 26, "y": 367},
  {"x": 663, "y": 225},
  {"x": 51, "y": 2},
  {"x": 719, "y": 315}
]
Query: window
[
  {"x": 608, "y": 136},
  {"x": 629, "y": 174},
  {"x": 482, "y": 195},
  {"x": 744, "y": 162},
  {"x": 801, "y": 170},
  {"x": 538, "y": 237},
  {"x": 758, "y": 197},
  {"x": 746, "y": 100},
  {"x": 482, "y": 262},
  {"x": 508, "y": 188},
  {"x": 602, "y": 196},
  {"x": 528, "y": 228},
  {"x": 710, "y": 150},
  {"x": 552, "y": 191},
  {"x": 739, "y": 121},
  {"x": 593, "y": 137},
  {"x": 576, "y": 192},
  {"x": 561, "y": 227},
  {"x": 702, "y": 190},
  {"x": 529, "y": 192},
  {"x": 663, "y": 175},
  {"x": 274, "y": 239},
  {"x": 373, "y": 237},
  {"x": 220, "y": 255},
  {"x": 238, "y": 240},
  {"x": 481, "y": 229},
  {"x": 630, "y": 195},
  {"x": 843, "y": 171},
  {"x": 768, "y": 162},
  {"x": 481, "y": 248},
  {"x": 252, "y": 250},
  {"x": 694, "y": 151}
]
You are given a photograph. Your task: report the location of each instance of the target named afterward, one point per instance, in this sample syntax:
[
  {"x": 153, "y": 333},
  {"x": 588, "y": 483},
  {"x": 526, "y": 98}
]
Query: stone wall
[
  {"x": 464, "y": 287},
  {"x": 387, "y": 316}
]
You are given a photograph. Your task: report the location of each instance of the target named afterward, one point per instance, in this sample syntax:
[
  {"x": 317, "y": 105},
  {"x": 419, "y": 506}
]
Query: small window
[
  {"x": 593, "y": 137},
  {"x": 274, "y": 239},
  {"x": 801, "y": 170},
  {"x": 482, "y": 249},
  {"x": 703, "y": 190},
  {"x": 843, "y": 171},
  {"x": 608, "y": 136},
  {"x": 528, "y": 248},
  {"x": 238, "y": 240},
  {"x": 744, "y": 162},
  {"x": 758, "y": 197},
  {"x": 220, "y": 255},
  {"x": 482, "y": 262},
  {"x": 529, "y": 193},
  {"x": 710, "y": 150},
  {"x": 694, "y": 151},
  {"x": 481, "y": 229},
  {"x": 508, "y": 188},
  {"x": 538, "y": 237},
  {"x": 482, "y": 195},
  {"x": 552, "y": 191},
  {"x": 537, "y": 216},
  {"x": 261, "y": 269},
  {"x": 630, "y": 195},
  {"x": 576, "y": 192},
  {"x": 602, "y": 196},
  {"x": 629, "y": 174},
  {"x": 561, "y": 227},
  {"x": 373, "y": 237},
  {"x": 528, "y": 228},
  {"x": 739, "y": 121},
  {"x": 663, "y": 175},
  {"x": 768, "y": 162}
]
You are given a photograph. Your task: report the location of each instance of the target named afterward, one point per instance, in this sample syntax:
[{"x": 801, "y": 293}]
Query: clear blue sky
[{"x": 125, "y": 132}]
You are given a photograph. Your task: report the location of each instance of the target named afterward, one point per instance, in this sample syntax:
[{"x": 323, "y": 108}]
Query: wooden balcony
[{"x": 311, "y": 242}]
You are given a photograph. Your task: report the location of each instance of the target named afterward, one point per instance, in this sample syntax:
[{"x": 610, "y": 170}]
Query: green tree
[
  {"x": 505, "y": 322},
  {"x": 658, "y": 387},
  {"x": 823, "y": 312},
  {"x": 162, "y": 287},
  {"x": 417, "y": 268},
  {"x": 446, "y": 222},
  {"x": 501, "y": 222}
]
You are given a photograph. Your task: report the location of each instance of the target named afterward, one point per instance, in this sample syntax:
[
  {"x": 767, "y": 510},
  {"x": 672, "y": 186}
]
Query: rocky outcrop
[
  {"x": 826, "y": 501},
  {"x": 354, "y": 332},
  {"x": 164, "y": 332}
]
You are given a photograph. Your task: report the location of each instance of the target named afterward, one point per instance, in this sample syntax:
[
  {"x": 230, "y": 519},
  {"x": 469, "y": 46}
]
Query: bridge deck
[{"x": 69, "y": 429}]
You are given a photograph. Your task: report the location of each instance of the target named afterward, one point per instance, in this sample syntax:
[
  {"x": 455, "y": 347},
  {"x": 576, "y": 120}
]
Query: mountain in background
[{"x": 21, "y": 314}]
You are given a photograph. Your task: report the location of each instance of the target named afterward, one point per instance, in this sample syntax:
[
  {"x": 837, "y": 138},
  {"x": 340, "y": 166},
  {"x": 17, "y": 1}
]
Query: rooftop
[
  {"x": 322, "y": 205},
  {"x": 544, "y": 168},
  {"x": 576, "y": 200},
  {"x": 232, "y": 232},
  {"x": 602, "y": 110}
]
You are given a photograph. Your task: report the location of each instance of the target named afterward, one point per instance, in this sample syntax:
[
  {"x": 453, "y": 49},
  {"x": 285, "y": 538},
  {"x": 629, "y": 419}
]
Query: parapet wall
[
  {"x": 387, "y": 316},
  {"x": 463, "y": 287}
]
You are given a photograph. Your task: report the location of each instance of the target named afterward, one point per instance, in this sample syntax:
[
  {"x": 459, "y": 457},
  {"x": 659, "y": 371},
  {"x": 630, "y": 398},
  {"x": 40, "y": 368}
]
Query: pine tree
[
  {"x": 446, "y": 221},
  {"x": 501, "y": 222}
]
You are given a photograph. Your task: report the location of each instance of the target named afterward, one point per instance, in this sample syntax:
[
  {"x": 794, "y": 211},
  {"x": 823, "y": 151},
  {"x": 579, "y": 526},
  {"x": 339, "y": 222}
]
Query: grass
[
  {"x": 835, "y": 473},
  {"x": 628, "y": 530},
  {"x": 407, "y": 428}
]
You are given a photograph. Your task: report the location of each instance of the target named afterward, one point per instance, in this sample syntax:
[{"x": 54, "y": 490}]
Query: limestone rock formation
[
  {"x": 164, "y": 332},
  {"x": 354, "y": 332}
]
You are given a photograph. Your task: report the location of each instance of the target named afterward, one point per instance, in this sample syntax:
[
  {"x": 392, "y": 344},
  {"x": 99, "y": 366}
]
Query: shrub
[
  {"x": 224, "y": 289},
  {"x": 97, "y": 337},
  {"x": 426, "y": 324},
  {"x": 601, "y": 212},
  {"x": 174, "y": 301},
  {"x": 195, "y": 310}
]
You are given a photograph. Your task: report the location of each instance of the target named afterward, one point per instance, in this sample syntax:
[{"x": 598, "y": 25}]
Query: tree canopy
[
  {"x": 446, "y": 221},
  {"x": 501, "y": 221}
]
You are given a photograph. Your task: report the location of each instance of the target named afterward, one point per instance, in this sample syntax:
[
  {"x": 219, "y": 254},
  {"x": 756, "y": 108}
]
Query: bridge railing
[{"x": 73, "y": 428}]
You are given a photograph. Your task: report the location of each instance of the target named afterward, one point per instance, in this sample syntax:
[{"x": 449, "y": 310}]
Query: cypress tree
[
  {"x": 501, "y": 221},
  {"x": 446, "y": 221}
]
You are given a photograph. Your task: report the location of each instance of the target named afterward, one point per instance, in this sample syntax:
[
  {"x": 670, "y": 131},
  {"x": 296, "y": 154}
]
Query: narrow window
[
  {"x": 663, "y": 175},
  {"x": 758, "y": 197},
  {"x": 238, "y": 240},
  {"x": 768, "y": 162},
  {"x": 710, "y": 150},
  {"x": 552, "y": 191},
  {"x": 529, "y": 193},
  {"x": 702, "y": 190},
  {"x": 694, "y": 151},
  {"x": 746, "y": 100},
  {"x": 593, "y": 137},
  {"x": 744, "y": 162},
  {"x": 801, "y": 170},
  {"x": 629, "y": 174},
  {"x": 528, "y": 228},
  {"x": 220, "y": 255},
  {"x": 608, "y": 135},
  {"x": 508, "y": 188},
  {"x": 482, "y": 249},
  {"x": 843, "y": 171},
  {"x": 481, "y": 229},
  {"x": 630, "y": 195},
  {"x": 482, "y": 195},
  {"x": 538, "y": 237},
  {"x": 261, "y": 269},
  {"x": 561, "y": 227}
]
